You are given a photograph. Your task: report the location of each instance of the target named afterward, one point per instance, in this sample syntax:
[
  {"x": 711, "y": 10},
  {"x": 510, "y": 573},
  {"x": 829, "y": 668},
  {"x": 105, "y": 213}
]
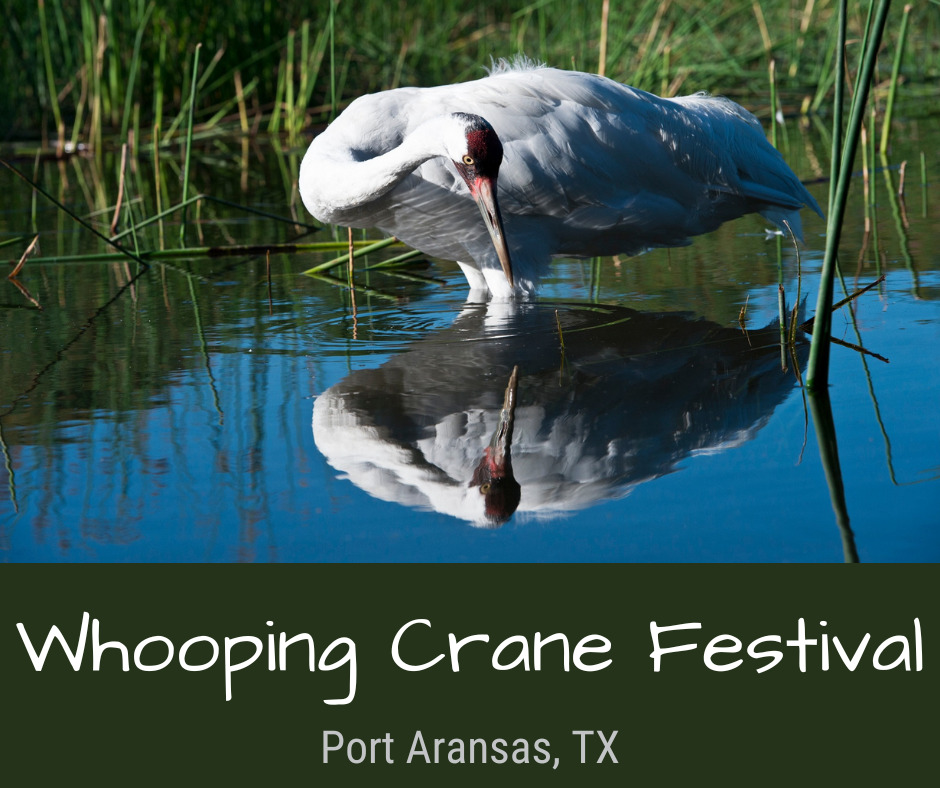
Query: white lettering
[
  {"x": 396, "y": 656},
  {"x": 658, "y": 651}
]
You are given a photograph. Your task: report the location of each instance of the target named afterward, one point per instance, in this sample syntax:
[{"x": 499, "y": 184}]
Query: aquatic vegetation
[{"x": 79, "y": 71}]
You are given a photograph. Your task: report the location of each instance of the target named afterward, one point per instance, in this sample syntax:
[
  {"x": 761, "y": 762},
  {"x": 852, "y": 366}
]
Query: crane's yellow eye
[
  {"x": 485, "y": 487},
  {"x": 468, "y": 160}
]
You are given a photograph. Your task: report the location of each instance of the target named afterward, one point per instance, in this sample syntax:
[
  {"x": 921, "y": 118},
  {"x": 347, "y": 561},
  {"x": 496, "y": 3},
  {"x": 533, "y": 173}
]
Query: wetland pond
[{"x": 213, "y": 408}]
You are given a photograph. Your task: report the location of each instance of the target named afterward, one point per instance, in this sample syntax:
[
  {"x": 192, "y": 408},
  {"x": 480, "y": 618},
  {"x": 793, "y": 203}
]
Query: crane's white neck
[{"x": 335, "y": 181}]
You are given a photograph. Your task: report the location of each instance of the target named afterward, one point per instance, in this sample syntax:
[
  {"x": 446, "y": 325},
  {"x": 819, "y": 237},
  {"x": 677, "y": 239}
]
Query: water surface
[{"x": 188, "y": 412}]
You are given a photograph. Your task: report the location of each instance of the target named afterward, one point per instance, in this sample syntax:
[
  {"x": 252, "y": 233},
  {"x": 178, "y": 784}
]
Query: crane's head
[{"x": 477, "y": 156}]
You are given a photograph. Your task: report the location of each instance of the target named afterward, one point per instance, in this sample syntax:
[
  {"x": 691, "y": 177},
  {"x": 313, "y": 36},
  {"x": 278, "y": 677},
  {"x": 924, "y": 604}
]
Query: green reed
[
  {"x": 99, "y": 59},
  {"x": 895, "y": 73},
  {"x": 189, "y": 142},
  {"x": 132, "y": 73},
  {"x": 843, "y": 160},
  {"x": 50, "y": 76}
]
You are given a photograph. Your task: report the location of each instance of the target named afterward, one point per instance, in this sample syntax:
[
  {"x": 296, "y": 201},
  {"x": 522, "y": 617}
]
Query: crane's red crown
[{"x": 484, "y": 150}]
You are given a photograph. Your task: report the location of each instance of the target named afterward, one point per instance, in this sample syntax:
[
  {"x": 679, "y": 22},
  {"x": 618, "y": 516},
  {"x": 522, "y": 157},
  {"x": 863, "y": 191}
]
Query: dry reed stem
[
  {"x": 120, "y": 194},
  {"x": 602, "y": 56},
  {"x": 242, "y": 109},
  {"x": 22, "y": 262}
]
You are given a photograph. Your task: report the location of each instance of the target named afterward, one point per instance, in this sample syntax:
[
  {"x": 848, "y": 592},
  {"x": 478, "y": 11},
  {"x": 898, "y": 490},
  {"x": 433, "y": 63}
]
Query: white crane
[{"x": 585, "y": 166}]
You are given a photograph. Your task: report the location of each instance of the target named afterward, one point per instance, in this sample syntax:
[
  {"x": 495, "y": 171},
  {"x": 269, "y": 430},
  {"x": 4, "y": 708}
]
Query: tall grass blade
[
  {"x": 189, "y": 144},
  {"x": 298, "y": 120},
  {"x": 274, "y": 124},
  {"x": 895, "y": 71},
  {"x": 818, "y": 367},
  {"x": 773, "y": 102},
  {"x": 289, "y": 106},
  {"x": 158, "y": 84},
  {"x": 50, "y": 79},
  {"x": 110, "y": 96},
  {"x": 132, "y": 75}
]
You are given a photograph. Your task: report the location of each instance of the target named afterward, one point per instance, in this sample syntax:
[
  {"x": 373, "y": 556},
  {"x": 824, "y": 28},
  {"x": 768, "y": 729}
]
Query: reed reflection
[{"x": 493, "y": 416}]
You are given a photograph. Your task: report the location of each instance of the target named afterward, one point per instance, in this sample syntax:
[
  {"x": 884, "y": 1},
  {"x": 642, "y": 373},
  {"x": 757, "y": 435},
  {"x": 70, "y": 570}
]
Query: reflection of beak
[
  {"x": 501, "y": 442},
  {"x": 493, "y": 475},
  {"x": 484, "y": 192}
]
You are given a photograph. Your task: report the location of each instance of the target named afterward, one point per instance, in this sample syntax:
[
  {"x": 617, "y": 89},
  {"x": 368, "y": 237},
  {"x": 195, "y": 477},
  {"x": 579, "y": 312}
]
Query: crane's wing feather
[{"x": 600, "y": 155}]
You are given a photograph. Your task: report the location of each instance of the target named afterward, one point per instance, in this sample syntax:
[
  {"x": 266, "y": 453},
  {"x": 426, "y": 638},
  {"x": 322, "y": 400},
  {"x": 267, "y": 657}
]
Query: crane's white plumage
[{"x": 589, "y": 167}]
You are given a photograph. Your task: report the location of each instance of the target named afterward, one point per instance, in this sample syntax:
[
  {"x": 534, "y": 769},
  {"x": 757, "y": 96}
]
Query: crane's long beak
[{"x": 483, "y": 190}]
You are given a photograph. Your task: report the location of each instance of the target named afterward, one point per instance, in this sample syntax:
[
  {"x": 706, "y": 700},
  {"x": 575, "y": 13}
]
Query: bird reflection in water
[{"x": 439, "y": 428}]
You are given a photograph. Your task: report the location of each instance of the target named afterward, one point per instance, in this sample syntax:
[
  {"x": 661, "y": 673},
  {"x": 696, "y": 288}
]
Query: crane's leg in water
[{"x": 479, "y": 290}]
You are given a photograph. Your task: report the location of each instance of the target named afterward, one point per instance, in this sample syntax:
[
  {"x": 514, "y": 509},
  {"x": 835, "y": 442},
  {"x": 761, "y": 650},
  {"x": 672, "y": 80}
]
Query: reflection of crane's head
[
  {"x": 499, "y": 488},
  {"x": 493, "y": 474}
]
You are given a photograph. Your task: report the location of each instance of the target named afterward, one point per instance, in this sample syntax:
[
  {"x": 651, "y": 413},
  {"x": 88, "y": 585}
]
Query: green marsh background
[{"x": 98, "y": 65}]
